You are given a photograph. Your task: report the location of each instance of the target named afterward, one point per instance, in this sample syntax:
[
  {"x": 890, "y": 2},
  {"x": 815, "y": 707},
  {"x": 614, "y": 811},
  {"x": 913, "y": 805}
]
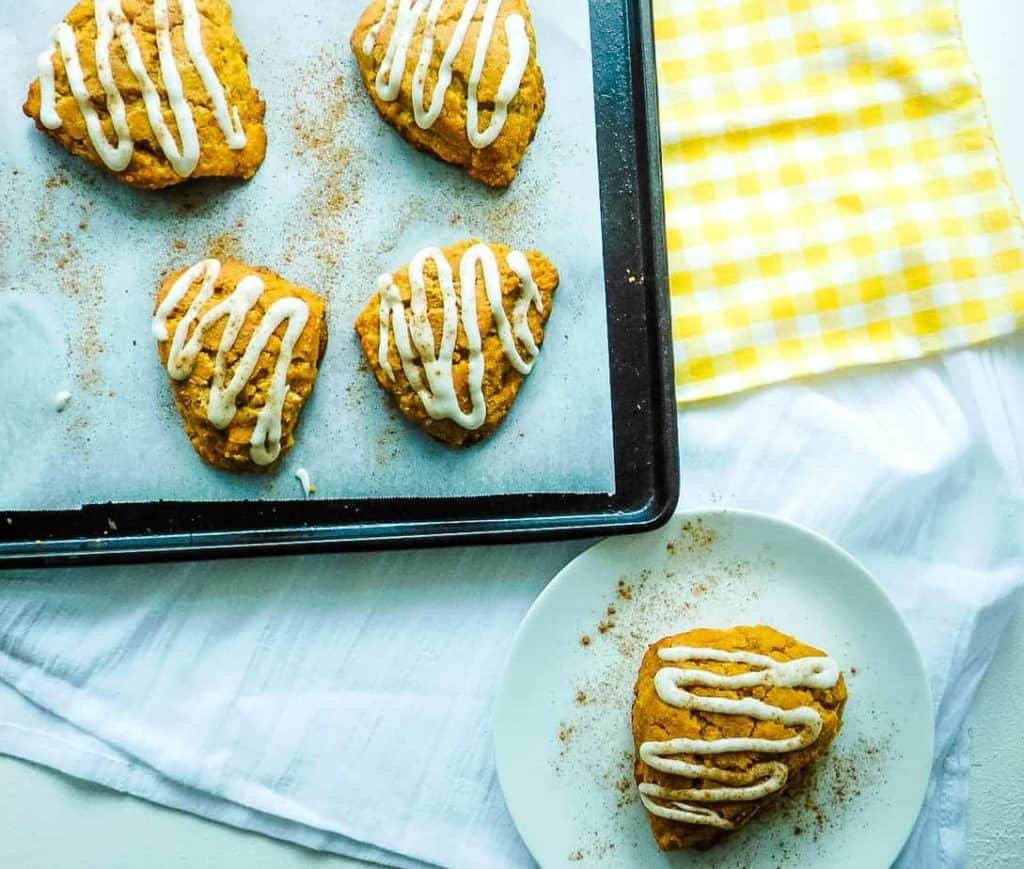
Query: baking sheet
[{"x": 339, "y": 200}]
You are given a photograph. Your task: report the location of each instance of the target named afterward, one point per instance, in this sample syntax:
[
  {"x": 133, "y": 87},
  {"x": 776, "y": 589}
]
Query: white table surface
[{"x": 49, "y": 821}]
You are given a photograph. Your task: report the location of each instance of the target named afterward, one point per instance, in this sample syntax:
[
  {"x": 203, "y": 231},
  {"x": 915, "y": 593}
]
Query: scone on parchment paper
[
  {"x": 242, "y": 347},
  {"x": 723, "y": 721},
  {"x": 452, "y": 335},
  {"x": 155, "y": 93},
  {"x": 458, "y": 79}
]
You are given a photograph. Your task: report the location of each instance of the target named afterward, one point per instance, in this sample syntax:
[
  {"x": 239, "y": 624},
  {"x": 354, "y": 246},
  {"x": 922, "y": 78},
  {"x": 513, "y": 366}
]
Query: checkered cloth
[{"x": 833, "y": 193}]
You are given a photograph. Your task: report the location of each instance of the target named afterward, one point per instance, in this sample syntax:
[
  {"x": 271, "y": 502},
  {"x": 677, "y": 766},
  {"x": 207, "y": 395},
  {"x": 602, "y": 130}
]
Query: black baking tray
[{"x": 643, "y": 397}]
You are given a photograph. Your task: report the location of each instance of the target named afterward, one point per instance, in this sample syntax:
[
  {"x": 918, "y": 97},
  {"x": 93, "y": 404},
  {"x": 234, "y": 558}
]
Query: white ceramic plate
[{"x": 562, "y": 726}]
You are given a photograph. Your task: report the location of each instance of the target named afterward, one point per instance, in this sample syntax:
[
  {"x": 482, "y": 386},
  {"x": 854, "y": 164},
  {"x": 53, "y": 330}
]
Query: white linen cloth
[{"x": 344, "y": 703}]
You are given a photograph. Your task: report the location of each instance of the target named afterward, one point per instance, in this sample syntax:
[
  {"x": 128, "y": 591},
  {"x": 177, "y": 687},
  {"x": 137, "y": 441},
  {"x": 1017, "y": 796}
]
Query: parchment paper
[{"x": 339, "y": 199}]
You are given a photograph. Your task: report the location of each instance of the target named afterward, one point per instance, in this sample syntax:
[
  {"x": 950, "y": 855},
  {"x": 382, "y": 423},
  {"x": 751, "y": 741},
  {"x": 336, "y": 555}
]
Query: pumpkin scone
[
  {"x": 242, "y": 347},
  {"x": 723, "y": 721},
  {"x": 154, "y": 91},
  {"x": 457, "y": 78},
  {"x": 452, "y": 335}
]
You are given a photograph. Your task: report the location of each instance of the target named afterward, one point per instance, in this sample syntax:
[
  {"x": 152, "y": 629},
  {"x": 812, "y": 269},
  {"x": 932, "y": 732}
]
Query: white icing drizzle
[
  {"x": 61, "y": 400},
  {"x": 408, "y": 16},
  {"x": 302, "y": 475},
  {"x": 112, "y": 23},
  {"x": 414, "y": 335},
  {"x": 760, "y": 780},
  {"x": 265, "y": 443},
  {"x": 230, "y": 124},
  {"x": 519, "y": 56}
]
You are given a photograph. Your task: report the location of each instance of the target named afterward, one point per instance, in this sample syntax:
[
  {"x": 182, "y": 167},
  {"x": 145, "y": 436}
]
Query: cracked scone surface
[
  {"x": 230, "y": 448},
  {"x": 447, "y": 137},
  {"x": 501, "y": 380},
  {"x": 656, "y": 721},
  {"x": 230, "y": 145}
]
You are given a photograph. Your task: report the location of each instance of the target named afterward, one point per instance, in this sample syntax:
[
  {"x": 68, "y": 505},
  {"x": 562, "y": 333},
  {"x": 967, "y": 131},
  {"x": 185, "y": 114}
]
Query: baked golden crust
[
  {"x": 656, "y": 721},
  {"x": 149, "y": 167},
  {"x": 229, "y": 448},
  {"x": 447, "y": 139},
  {"x": 501, "y": 380}
]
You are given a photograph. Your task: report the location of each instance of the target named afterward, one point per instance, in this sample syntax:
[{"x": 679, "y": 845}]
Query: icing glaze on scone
[
  {"x": 114, "y": 27},
  {"x": 452, "y": 335},
  {"x": 265, "y": 443},
  {"x": 458, "y": 79},
  {"x": 724, "y": 721},
  {"x": 414, "y": 334},
  {"x": 761, "y": 779},
  {"x": 409, "y": 15}
]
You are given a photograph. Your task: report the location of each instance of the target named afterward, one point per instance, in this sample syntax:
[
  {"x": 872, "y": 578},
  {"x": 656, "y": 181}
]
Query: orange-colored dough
[
  {"x": 496, "y": 164},
  {"x": 149, "y": 168},
  {"x": 229, "y": 449},
  {"x": 656, "y": 721},
  {"x": 501, "y": 379}
]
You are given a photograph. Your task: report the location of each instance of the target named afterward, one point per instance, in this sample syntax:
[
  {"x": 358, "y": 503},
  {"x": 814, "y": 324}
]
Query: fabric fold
[{"x": 344, "y": 703}]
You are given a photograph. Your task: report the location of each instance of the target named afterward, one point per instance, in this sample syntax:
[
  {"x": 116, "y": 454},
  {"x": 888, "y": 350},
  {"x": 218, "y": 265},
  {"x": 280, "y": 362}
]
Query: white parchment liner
[{"x": 339, "y": 199}]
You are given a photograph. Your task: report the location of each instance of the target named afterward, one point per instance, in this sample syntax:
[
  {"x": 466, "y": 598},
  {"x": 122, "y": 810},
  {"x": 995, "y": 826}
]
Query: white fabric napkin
[{"x": 344, "y": 703}]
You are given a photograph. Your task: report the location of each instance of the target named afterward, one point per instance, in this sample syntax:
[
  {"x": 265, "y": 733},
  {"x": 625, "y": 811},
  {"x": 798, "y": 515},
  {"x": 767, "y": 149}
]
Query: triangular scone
[
  {"x": 457, "y": 78},
  {"x": 725, "y": 720},
  {"x": 452, "y": 335},
  {"x": 154, "y": 91},
  {"x": 242, "y": 347}
]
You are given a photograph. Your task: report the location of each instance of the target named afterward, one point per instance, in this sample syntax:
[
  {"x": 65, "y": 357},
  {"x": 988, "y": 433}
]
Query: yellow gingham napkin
[{"x": 834, "y": 196}]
